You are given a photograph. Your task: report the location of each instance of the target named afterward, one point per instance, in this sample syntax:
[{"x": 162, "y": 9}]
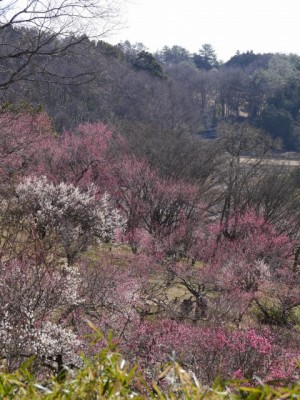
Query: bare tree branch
[{"x": 34, "y": 33}]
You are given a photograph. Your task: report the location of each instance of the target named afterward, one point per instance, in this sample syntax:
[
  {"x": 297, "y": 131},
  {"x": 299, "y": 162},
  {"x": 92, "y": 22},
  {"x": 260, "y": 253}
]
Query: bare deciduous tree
[{"x": 34, "y": 33}]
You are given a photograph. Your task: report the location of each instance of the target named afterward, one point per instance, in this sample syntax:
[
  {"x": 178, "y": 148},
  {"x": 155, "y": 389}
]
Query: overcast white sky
[{"x": 229, "y": 25}]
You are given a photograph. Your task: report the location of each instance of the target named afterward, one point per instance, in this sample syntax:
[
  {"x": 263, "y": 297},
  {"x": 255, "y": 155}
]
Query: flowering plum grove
[
  {"x": 89, "y": 232},
  {"x": 78, "y": 157},
  {"x": 206, "y": 350}
]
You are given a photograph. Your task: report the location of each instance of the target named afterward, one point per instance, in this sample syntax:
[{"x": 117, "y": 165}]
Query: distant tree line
[{"x": 76, "y": 80}]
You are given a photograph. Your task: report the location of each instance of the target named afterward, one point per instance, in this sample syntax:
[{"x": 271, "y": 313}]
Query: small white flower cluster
[
  {"x": 52, "y": 339},
  {"x": 44, "y": 342},
  {"x": 6, "y": 334},
  {"x": 72, "y": 282},
  {"x": 263, "y": 268},
  {"x": 109, "y": 219}
]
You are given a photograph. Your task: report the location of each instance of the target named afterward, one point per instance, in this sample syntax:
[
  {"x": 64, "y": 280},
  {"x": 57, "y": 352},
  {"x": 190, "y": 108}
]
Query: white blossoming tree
[
  {"x": 45, "y": 305},
  {"x": 42, "y": 289},
  {"x": 33, "y": 298},
  {"x": 62, "y": 215}
]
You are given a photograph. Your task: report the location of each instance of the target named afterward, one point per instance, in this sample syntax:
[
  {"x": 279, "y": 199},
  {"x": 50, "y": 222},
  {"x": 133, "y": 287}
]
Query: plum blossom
[
  {"x": 32, "y": 299},
  {"x": 74, "y": 217}
]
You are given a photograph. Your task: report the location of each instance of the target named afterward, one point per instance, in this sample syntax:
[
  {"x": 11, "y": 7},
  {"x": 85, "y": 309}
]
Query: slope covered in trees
[
  {"x": 82, "y": 80},
  {"x": 212, "y": 274},
  {"x": 115, "y": 210}
]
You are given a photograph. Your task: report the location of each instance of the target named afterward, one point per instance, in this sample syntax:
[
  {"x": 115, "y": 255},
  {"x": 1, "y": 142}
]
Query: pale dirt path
[{"x": 272, "y": 161}]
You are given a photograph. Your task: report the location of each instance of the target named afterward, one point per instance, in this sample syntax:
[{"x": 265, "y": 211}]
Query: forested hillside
[
  {"x": 86, "y": 80},
  {"x": 142, "y": 212}
]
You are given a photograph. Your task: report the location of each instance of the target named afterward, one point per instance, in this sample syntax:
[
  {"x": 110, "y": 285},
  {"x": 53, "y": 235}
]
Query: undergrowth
[{"x": 108, "y": 376}]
